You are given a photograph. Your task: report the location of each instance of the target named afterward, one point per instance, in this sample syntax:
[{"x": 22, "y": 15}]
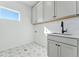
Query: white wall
[
  {"x": 41, "y": 35},
  {"x": 72, "y": 26},
  {"x": 14, "y": 33}
]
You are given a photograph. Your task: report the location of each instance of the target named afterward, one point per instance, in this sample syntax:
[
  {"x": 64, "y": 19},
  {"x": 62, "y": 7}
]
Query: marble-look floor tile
[{"x": 27, "y": 50}]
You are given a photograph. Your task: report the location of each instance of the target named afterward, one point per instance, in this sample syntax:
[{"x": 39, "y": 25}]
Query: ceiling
[{"x": 30, "y": 3}]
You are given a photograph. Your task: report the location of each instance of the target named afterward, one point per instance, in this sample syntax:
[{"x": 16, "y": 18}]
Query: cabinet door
[
  {"x": 65, "y": 8},
  {"x": 34, "y": 16},
  {"x": 52, "y": 49},
  {"x": 77, "y": 7},
  {"x": 39, "y": 12},
  {"x": 68, "y": 51},
  {"x": 48, "y": 10}
]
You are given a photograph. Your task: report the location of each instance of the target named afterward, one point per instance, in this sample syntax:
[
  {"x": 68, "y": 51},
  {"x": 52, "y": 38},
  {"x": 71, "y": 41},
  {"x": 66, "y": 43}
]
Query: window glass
[{"x": 8, "y": 14}]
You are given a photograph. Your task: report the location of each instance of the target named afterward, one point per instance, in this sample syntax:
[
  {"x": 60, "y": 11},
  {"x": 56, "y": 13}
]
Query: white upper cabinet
[
  {"x": 77, "y": 7},
  {"x": 34, "y": 16},
  {"x": 48, "y": 10},
  {"x": 39, "y": 12},
  {"x": 65, "y": 8}
]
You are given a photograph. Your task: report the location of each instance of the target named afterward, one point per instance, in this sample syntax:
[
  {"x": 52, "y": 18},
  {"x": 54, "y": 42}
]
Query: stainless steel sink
[{"x": 62, "y": 34}]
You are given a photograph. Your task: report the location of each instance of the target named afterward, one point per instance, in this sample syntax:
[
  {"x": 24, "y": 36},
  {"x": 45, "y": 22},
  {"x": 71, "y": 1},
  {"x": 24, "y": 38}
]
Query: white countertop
[{"x": 64, "y": 35}]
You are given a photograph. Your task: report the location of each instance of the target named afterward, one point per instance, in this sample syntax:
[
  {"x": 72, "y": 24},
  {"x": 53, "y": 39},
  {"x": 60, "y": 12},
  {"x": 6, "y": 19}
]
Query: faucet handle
[{"x": 65, "y": 30}]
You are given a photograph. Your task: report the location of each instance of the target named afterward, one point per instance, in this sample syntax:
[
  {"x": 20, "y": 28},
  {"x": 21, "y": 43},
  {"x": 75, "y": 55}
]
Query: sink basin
[{"x": 62, "y": 34}]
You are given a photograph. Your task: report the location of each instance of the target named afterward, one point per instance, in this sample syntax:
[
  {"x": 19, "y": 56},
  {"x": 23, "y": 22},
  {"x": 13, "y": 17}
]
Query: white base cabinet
[
  {"x": 68, "y": 51},
  {"x": 60, "y": 49},
  {"x": 52, "y": 48}
]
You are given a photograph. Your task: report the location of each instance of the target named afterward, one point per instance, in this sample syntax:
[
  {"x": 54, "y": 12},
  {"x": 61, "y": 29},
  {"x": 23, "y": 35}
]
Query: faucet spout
[{"x": 62, "y": 26}]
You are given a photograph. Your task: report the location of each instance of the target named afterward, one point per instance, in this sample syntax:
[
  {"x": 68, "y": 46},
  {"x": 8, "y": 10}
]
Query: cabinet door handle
[
  {"x": 56, "y": 44},
  {"x": 54, "y": 16}
]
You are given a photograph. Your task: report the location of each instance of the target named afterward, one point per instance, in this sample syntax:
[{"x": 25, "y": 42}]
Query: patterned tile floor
[{"x": 28, "y": 50}]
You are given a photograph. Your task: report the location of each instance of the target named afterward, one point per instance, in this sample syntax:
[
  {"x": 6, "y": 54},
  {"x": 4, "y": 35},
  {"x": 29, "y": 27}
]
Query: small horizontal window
[{"x": 9, "y": 14}]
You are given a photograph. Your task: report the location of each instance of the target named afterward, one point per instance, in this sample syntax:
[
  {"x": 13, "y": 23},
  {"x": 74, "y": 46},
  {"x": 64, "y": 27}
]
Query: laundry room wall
[{"x": 14, "y": 33}]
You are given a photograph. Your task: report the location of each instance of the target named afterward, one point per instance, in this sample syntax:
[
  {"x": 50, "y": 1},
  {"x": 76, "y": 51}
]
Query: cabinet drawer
[
  {"x": 69, "y": 41},
  {"x": 63, "y": 40},
  {"x": 53, "y": 38}
]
